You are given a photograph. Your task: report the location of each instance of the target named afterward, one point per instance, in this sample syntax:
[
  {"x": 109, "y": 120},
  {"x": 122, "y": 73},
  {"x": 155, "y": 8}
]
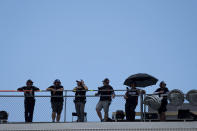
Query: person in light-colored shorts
[{"x": 103, "y": 104}]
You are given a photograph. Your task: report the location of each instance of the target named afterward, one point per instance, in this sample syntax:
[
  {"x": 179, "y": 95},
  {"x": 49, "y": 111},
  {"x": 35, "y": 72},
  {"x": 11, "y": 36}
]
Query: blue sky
[{"x": 85, "y": 39}]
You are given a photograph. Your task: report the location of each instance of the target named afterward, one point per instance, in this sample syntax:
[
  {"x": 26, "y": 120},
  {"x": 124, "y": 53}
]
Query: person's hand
[
  {"x": 82, "y": 82},
  {"x": 143, "y": 92},
  {"x": 113, "y": 96},
  {"x": 125, "y": 97},
  {"x": 161, "y": 92}
]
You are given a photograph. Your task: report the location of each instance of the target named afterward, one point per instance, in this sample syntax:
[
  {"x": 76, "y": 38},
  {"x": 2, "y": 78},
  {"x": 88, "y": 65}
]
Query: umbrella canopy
[{"x": 141, "y": 80}]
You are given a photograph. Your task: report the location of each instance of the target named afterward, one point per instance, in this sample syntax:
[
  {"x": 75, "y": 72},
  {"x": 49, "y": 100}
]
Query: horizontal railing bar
[
  {"x": 56, "y": 96},
  {"x": 50, "y": 91}
]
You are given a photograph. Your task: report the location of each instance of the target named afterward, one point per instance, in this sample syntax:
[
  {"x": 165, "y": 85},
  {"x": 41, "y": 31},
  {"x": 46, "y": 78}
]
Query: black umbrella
[{"x": 141, "y": 80}]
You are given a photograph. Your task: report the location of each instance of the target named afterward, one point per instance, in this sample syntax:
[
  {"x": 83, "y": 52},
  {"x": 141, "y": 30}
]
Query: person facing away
[
  {"x": 29, "y": 101},
  {"x": 131, "y": 97},
  {"x": 162, "y": 92},
  {"x": 56, "y": 99},
  {"x": 106, "y": 93},
  {"x": 80, "y": 99}
]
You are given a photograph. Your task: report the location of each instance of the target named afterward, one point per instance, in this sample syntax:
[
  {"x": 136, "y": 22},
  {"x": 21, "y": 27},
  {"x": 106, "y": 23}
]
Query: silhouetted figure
[
  {"x": 106, "y": 92},
  {"x": 162, "y": 91},
  {"x": 80, "y": 99},
  {"x": 131, "y": 97},
  {"x": 56, "y": 99},
  {"x": 29, "y": 102}
]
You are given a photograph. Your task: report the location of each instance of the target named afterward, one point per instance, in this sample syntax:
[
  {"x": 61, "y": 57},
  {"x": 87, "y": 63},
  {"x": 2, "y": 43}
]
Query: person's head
[
  {"x": 79, "y": 83},
  {"x": 57, "y": 82},
  {"x": 29, "y": 82},
  {"x": 162, "y": 84},
  {"x": 106, "y": 81},
  {"x": 133, "y": 85}
]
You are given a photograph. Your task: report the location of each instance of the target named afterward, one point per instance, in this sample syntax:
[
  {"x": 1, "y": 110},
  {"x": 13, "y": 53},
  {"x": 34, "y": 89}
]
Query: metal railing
[{"x": 13, "y": 103}]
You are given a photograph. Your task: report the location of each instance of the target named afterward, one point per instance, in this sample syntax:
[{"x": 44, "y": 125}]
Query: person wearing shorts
[
  {"x": 106, "y": 92},
  {"x": 164, "y": 102},
  {"x": 56, "y": 99}
]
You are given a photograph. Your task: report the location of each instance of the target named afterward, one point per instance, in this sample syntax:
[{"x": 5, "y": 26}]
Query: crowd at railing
[{"x": 157, "y": 101}]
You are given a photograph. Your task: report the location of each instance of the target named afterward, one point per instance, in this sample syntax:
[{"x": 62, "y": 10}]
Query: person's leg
[
  {"x": 98, "y": 109},
  {"x": 162, "y": 116},
  {"x": 59, "y": 111},
  {"x": 106, "y": 105},
  {"x": 77, "y": 107},
  {"x": 128, "y": 112},
  {"x": 26, "y": 111},
  {"x": 31, "y": 110},
  {"x": 53, "y": 116},
  {"x": 82, "y": 106},
  {"x": 133, "y": 112}
]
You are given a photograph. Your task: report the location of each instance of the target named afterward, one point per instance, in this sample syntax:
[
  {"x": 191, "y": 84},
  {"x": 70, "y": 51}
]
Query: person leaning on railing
[
  {"x": 80, "y": 99},
  {"x": 162, "y": 91},
  {"x": 106, "y": 92},
  {"x": 56, "y": 99},
  {"x": 29, "y": 102}
]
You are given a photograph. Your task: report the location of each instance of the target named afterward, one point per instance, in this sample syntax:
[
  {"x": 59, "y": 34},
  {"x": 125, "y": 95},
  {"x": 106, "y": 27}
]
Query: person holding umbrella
[
  {"x": 29, "y": 102},
  {"x": 162, "y": 92},
  {"x": 137, "y": 80},
  {"x": 131, "y": 97}
]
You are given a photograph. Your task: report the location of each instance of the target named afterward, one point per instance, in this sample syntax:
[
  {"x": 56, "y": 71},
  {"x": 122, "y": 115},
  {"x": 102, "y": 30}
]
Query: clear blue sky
[{"x": 93, "y": 39}]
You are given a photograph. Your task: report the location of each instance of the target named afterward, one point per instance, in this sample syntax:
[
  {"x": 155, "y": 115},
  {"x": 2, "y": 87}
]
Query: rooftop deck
[{"x": 102, "y": 126}]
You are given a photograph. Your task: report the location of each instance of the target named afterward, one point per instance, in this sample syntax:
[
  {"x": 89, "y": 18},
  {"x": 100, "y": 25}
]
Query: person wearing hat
[
  {"x": 131, "y": 97},
  {"x": 106, "y": 92},
  {"x": 80, "y": 99},
  {"x": 162, "y": 92},
  {"x": 56, "y": 99},
  {"x": 29, "y": 101}
]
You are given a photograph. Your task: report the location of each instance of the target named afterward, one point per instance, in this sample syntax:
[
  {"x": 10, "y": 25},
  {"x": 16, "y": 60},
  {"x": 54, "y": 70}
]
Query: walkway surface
[{"x": 104, "y": 126}]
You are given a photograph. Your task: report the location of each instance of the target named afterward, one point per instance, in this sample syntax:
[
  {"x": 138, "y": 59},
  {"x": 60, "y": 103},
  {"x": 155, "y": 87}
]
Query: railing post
[
  {"x": 141, "y": 106},
  {"x": 65, "y": 101}
]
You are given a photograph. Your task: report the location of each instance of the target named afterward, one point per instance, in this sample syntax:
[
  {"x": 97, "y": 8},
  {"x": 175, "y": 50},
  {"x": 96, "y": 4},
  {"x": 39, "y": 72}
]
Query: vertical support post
[
  {"x": 141, "y": 106},
  {"x": 65, "y": 101},
  {"x": 144, "y": 110}
]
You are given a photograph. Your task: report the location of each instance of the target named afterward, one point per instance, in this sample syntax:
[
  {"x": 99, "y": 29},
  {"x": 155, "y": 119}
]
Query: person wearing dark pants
[
  {"x": 162, "y": 92},
  {"x": 131, "y": 97},
  {"x": 80, "y": 99},
  {"x": 56, "y": 99},
  {"x": 29, "y": 102}
]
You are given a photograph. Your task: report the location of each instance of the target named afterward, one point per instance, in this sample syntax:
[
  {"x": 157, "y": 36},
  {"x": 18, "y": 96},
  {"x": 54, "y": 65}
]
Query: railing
[{"x": 13, "y": 103}]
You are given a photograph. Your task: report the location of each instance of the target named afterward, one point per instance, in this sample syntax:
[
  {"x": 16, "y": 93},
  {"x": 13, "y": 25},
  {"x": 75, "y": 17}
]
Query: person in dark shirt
[
  {"x": 162, "y": 92},
  {"x": 131, "y": 97},
  {"x": 56, "y": 99},
  {"x": 80, "y": 99},
  {"x": 106, "y": 92},
  {"x": 29, "y": 101}
]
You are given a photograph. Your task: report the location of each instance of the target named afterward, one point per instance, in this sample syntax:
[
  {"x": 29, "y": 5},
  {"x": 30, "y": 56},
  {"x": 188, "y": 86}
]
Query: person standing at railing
[
  {"x": 106, "y": 92},
  {"x": 80, "y": 99},
  {"x": 131, "y": 97},
  {"x": 56, "y": 99},
  {"x": 162, "y": 91},
  {"x": 29, "y": 102}
]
